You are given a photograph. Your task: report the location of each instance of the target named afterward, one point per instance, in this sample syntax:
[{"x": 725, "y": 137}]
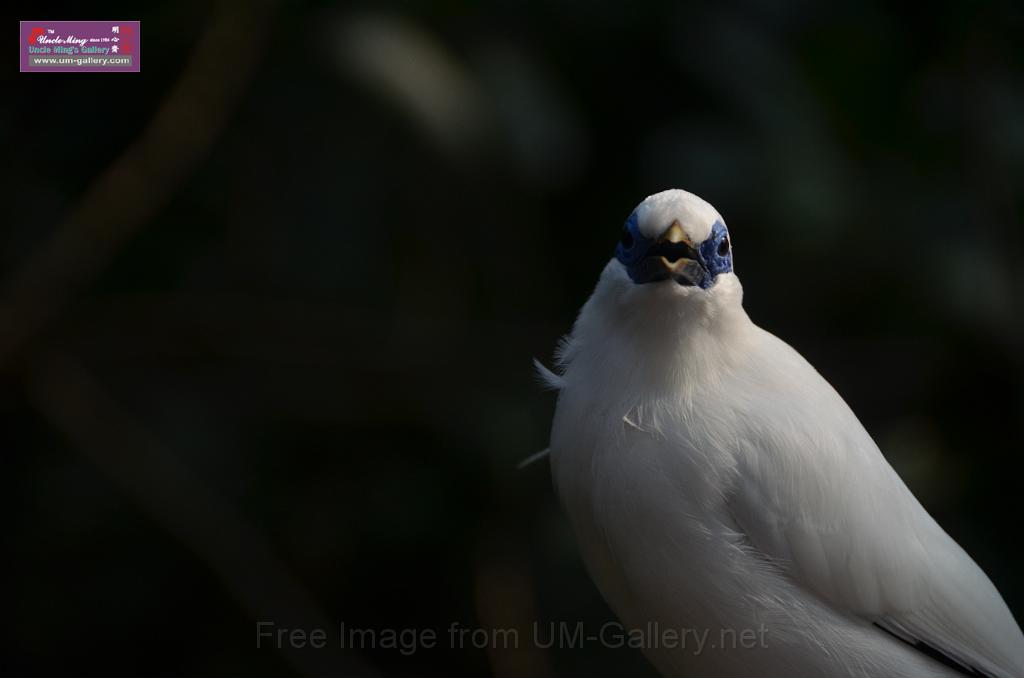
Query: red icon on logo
[
  {"x": 34, "y": 35},
  {"x": 125, "y": 33}
]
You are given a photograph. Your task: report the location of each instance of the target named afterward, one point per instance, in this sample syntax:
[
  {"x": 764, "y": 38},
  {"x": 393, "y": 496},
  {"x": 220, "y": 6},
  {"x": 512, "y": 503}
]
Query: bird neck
[{"x": 658, "y": 340}]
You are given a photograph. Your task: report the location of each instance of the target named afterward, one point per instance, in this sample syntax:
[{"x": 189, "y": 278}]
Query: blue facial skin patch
[
  {"x": 641, "y": 256},
  {"x": 716, "y": 253}
]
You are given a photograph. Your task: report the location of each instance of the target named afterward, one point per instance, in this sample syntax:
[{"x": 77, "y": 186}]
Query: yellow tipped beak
[
  {"x": 675, "y": 234},
  {"x": 682, "y": 262},
  {"x": 672, "y": 257}
]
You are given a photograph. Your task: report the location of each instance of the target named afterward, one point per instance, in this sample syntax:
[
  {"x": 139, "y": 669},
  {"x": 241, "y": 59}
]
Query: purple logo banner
[{"x": 81, "y": 46}]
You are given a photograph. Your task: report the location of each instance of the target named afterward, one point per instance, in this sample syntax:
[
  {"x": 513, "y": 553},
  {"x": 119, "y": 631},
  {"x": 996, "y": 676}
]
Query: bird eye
[
  {"x": 627, "y": 239},
  {"x": 723, "y": 247}
]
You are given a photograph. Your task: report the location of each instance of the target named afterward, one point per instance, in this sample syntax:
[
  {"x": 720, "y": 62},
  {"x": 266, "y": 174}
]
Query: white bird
[{"x": 728, "y": 504}]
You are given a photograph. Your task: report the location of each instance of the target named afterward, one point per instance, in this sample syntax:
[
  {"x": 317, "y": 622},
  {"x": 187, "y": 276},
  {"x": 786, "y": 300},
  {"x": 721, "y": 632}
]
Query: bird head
[
  {"x": 676, "y": 238},
  {"x": 670, "y": 280}
]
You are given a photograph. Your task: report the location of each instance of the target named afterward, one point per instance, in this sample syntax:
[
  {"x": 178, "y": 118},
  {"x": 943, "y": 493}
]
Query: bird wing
[{"x": 816, "y": 496}]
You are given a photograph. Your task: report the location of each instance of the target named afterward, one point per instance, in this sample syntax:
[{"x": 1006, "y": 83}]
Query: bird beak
[
  {"x": 675, "y": 234},
  {"x": 678, "y": 256},
  {"x": 672, "y": 256}
]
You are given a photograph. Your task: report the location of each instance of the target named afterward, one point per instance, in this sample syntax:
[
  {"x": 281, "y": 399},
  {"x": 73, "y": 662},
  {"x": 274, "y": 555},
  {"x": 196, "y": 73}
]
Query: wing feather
[{"x": 815, "y": 494}]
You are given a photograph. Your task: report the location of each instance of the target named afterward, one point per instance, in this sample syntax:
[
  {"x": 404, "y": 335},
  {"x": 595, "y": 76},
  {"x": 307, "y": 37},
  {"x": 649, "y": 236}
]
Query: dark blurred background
[{"x": 268, "y": 308}]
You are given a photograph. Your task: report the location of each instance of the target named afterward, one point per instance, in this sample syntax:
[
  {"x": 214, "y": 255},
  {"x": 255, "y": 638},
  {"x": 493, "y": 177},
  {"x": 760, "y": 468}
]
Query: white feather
[
  {"x": 716, "y": 481},
  {"x": 536, "y": 456},
  {"x": 548, "y": 379}
]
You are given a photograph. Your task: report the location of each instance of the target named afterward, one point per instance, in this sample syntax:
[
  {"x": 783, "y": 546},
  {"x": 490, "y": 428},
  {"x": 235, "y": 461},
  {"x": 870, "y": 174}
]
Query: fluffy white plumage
[{"x": 715, "y": 480}]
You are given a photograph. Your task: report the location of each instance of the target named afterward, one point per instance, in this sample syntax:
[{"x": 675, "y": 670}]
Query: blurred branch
[
  {"x": 124, "y": 198},
  {"x": 505, "y": 599},
  {"x": 416, "y": 72},
  {"x": 77, "y": 405}
]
